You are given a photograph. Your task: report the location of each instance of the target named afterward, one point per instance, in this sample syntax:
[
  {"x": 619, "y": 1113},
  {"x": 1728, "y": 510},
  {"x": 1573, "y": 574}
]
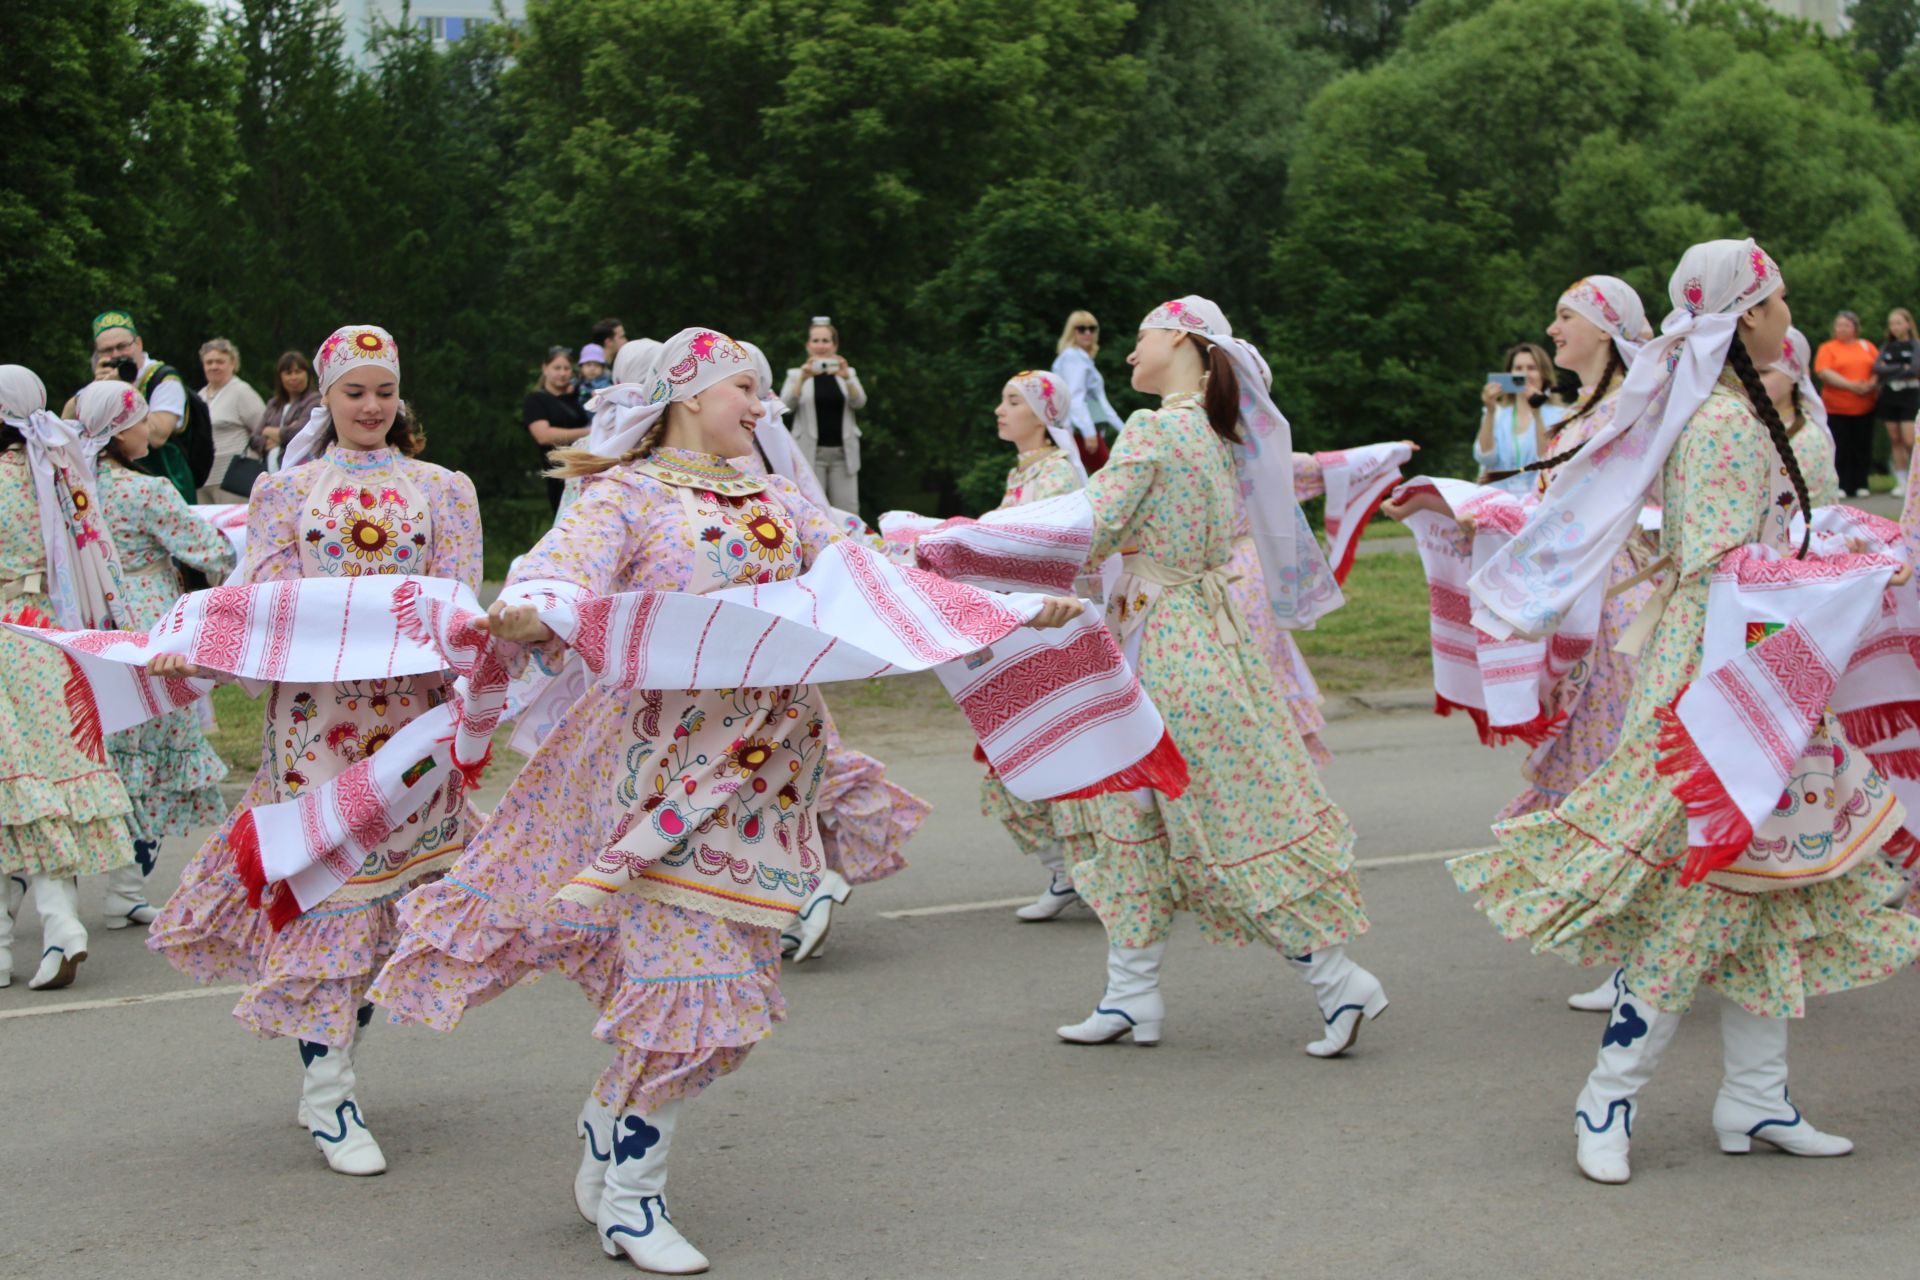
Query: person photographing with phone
[
  {"x": 1517, "y": 417},
  {"x": 822, "y": 394}
]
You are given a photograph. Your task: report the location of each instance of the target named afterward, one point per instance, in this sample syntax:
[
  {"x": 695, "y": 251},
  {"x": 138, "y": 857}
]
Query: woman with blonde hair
[{"x": 1086, "y": 392}]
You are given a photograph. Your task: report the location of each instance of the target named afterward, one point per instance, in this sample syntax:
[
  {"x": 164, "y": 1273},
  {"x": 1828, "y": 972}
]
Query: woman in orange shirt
[{"x": 1844, "y": 370}]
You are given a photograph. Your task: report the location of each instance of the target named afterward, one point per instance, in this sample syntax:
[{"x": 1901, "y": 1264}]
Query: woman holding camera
[
  {"x": 822, "y": 395},
  {"x": 1517, "y": 417}
]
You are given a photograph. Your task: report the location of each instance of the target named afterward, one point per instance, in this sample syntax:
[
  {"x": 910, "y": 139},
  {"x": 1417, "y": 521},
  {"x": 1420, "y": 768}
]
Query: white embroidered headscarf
[
  {"x": 1300, "y": 586},
  {"x": 81, "y": 568},
  {"x": 1796, "y": 361},
  {"x": 687, "y": 364},
  {"x": 631, "y": 361},
  {"x": 351, "y": 346},
  {"x": 105, "y": 409},
  {"x": 1047, "y": 395},
  {"x": 1595, "y": 499},
  {"x": 1614, "y": 307}
]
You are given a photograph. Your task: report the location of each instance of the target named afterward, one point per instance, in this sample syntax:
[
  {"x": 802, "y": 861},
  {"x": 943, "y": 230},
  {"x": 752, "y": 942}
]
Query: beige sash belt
[{"x": 1213, "y": 583}]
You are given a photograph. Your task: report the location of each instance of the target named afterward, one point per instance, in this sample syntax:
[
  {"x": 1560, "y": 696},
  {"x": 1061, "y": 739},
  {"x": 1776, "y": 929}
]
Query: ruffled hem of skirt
[
  {"x": 460, "y": 947},
  {"x": 207, "y": 931},
  {"x": 1298, "y": 898},
  {"x": 66, "y": 847},
  {"x": 1030, "y": 824},
  {"x": 677, "y": 1014},
  {"x": 1602, "y": 906},
  {"x": 865, "y": 820}
]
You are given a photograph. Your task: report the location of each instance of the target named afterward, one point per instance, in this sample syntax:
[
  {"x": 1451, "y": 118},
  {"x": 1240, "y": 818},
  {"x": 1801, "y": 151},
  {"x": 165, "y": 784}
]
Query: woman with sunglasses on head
[
  {"x": 1616, "y": 874},
  {"x": 1088, "y": 406}
]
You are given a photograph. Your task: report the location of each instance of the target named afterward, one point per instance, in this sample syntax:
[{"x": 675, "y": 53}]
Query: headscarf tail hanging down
[
  {"x": 1596, "y": 498},
  {"x": 1300, "y": 585},
  {"x": 348, "y": 347}
]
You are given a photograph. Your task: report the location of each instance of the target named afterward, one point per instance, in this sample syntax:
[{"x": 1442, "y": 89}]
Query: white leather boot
[
  {"x": 632, "y": 1218},
  {"x": 16, "y": 892},
  {"x": 1636, "y": 1035},
  {"x": 1131, "y": 1003},
  {"x": 1753, "y": 1100},
  {"x": 1059, "y": 893},
  {"x": 1347, "y": 995},
  {"x": 1598, "y": 1000},
  {"x": 595, "y": 1128},
  {"x": 327, "y": 1094},
  {"x": 125, "y": 902},
  {"x": 808, "y": 932},
  {"x": 62, "y": 936}
]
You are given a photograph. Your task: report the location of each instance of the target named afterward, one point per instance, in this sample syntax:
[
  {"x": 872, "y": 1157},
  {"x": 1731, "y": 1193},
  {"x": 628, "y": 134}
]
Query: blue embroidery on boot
[
  {"x": 146, "y": 854},
  {"x": 593, "y": 1148},
  {"x": 311, "y": 1051},
  {"x": 646, "y": 1207},
  {"x": 1626, "y": 1027},
  {"x": 639, "y": 1139},
  {"x": 1625, "y": 1107},
  {"x": 1345, "y": 1008},
  {"x": 340, "y": 1118},
  {"x": 365, "y": 1016}
]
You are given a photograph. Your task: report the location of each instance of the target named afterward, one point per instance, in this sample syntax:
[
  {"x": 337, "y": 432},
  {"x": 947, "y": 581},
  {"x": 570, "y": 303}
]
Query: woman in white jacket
[
  {"x": 822, "y": 395},
  {"x": 1086, "y": 391}
]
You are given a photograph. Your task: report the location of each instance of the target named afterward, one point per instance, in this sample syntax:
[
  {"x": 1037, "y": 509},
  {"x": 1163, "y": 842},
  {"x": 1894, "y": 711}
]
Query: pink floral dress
[
  {"x": 1593, "y": 697},
  {"x": 683, "y": 991},
  {"x": 1596, "y": 879},
  {"x": 171, "y": 771},
  {"x": 1255, "y": 849},
  {"x": 63, "y": 810},
  {"x": 345, "y": 514}
]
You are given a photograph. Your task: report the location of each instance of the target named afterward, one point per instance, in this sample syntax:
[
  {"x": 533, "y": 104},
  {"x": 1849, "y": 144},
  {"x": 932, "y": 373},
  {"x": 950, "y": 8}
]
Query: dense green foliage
[{"x": 1383, "y": 195}]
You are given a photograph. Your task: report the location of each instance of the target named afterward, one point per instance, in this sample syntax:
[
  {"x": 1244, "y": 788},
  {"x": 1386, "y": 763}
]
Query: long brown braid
[
  {"x": 1616, "y": 368},
  {"x": 1742, "y": 365}
]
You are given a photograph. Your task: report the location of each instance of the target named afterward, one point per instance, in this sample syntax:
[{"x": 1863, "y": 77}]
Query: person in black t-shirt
[
  {"x": 553, "y": 414},
  {"x": 1898, "y": 369}
]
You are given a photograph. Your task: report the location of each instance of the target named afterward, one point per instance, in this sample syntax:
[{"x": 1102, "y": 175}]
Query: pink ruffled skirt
[{"x": 865, "y": 820}]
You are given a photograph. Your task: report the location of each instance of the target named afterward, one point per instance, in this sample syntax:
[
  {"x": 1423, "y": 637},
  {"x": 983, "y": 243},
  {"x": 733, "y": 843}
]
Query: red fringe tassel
[
  {"x": 1694, "y": 784},
  {"x": 84, "y": 713},
  {"x": 1897, "y": 764},
  {"x": 282, "y": 909},
  {"x": 471, "y": 770},
  {"x": 1904, "y": 845},
  {"x": 1533, "y": 732},
  {"x": 245, "y": 843},
  {"x": 1163, "y": 769},
  {"x": 1879, "y": 723}
]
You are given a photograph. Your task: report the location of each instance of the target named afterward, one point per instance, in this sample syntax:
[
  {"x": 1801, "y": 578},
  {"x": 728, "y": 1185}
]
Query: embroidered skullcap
[{"x": 114, "y": 320}]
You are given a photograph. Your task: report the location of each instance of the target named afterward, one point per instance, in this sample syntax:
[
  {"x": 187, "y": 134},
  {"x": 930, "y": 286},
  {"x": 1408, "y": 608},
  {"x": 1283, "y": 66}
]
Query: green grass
[{"x": 1378, "y": 640}]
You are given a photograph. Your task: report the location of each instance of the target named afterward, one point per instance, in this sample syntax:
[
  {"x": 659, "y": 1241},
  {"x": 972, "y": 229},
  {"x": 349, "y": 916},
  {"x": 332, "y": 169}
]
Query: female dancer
[
  {"x": 63, "y": 809},
  {"x": 1033, "y": 417},
  {"x": 172, "y": 774},
  {"x": 684, "y": 965},
  {"x": 1255, "y": 848},
  {"x": 1086, "y": 391},
  {"x": 1598, "y": 878},
  {"x": 351, "y": 499}
]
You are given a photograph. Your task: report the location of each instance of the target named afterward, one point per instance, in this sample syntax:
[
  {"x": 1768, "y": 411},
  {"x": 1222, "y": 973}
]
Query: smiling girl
[{"x": 351, "y": 499}]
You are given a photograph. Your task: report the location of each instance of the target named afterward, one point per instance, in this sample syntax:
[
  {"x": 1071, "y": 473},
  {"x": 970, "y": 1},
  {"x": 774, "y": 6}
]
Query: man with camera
[
  {"x": 181, "y": 429},
  {"x": 822, "y": 394}
]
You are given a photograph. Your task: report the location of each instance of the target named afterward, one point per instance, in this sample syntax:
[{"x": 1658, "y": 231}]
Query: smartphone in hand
[{"x": 1509, "y": 383}]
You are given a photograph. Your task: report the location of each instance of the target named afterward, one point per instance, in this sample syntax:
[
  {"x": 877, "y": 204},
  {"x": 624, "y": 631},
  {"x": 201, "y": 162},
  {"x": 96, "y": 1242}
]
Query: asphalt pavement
[{"x": 917, "y": 1117}]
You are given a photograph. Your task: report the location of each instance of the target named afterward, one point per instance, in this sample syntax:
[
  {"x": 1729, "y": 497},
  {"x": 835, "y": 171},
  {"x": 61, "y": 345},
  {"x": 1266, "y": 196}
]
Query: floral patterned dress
[
  {"x": 1036, "y": 825},
  {"x": 345, "y": 514},
  {"x": 1255, "y": 848},
  {"x": 170, "y": 770},
  {"x": 1291, "y": 679},
  {"x": 1813, "y": 448},
  {"x": 1593, "y": 697},
  {"x": 683, "y": 992},
  {"x": 63, "y": 809},
  {"x": 1597, "y": 879}
]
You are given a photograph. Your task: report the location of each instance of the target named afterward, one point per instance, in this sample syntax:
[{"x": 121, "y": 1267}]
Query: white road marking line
[
  {"x": 119, "y": 1002},
  {"x": 998, "y": 904}
]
